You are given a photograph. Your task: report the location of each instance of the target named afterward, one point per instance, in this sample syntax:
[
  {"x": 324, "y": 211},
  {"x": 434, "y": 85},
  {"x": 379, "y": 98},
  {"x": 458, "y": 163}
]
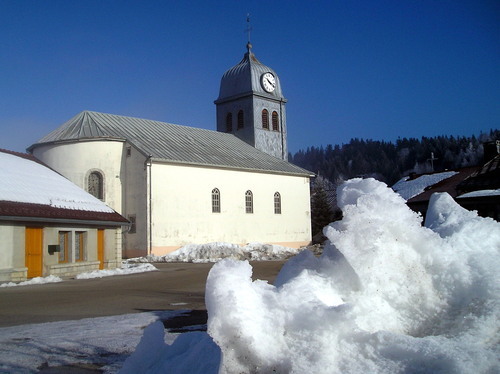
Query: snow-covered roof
[
  {"x": 30, "y": 189},
  {"x": 166, "y": 142},
  {"x": 480, "y": 193},
  {"x": 409, "y": 188}
]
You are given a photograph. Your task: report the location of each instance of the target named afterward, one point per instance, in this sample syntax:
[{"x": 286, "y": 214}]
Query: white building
[
  {"x": 180, "y": 185},
  {"x": 49, "y": 226}
]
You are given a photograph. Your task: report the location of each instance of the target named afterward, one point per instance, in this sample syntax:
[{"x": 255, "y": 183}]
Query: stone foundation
[{"x": 13, "y": 275}]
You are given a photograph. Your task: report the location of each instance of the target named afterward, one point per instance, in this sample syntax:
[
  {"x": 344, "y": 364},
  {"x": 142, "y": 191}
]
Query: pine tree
[{"x": 321, "y": 211}]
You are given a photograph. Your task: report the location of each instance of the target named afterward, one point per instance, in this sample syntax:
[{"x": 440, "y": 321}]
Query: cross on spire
[{"x": 248, "y": 30}]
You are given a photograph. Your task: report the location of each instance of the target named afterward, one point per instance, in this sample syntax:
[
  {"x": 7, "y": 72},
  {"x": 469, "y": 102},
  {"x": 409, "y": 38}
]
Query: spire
[{"x": 248, "y": 30}]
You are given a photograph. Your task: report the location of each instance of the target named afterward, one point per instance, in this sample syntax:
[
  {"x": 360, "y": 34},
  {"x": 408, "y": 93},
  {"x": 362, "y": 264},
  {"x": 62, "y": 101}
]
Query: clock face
[{"x": 268, "y": 82}]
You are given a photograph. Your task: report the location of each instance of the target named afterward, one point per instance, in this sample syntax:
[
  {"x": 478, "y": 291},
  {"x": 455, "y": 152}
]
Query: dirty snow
[
  {"x": 213, "y": 252},
  {"x": 32, "y": 281}
]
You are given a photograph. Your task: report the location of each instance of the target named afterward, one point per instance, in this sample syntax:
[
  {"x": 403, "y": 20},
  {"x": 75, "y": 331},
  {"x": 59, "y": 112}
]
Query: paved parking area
[{"x": 174, "y": 286}]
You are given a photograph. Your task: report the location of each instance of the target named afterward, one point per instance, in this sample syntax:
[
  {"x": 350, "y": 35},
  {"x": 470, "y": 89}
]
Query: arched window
[
  {"x": 275, "y": 121},
  {"x": 241, "y": 122},
  {"x": 265, "y": 119},
  {"x": 277, "y": 203},
  {"x": 249, "y": 202},
  {"x": 96, "y": 185},
  {"x": 215, "y": 200},
  {"x": 229, "y": 122}
]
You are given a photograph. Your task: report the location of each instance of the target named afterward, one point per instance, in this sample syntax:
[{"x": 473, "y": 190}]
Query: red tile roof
[{"x": 10, "y": 210}]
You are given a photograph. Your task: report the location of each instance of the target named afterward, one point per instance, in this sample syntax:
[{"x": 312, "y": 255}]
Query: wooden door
[
  {"x": 100, "y": 248},
  {"x": 33, "y": 252}
]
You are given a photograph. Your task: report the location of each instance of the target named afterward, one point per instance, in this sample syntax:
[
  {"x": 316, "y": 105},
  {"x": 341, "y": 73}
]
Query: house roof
[
  {"x": 448, "y": 185},
  {"x": 167, "y": 142},
  {"x": 485, "y": 178},
  {"x": 31, "y": 191}
]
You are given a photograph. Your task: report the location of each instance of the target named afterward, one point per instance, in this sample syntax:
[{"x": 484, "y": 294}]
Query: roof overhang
[
  {"x": 64, "y": 222},
  {"x": 305, "y": 173}
]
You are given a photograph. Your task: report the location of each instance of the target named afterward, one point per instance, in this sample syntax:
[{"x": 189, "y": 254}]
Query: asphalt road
[{"x": 174, "y": 286}]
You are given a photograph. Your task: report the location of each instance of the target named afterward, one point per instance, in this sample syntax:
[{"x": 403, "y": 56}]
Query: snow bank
[
  {"x": 386, "y": 296},
  {"x": 124, "y": 270},
  {"x": 213, "y": 252},
  {"x": 409, "y": 188},
  {"x": 32, "y": 281}
]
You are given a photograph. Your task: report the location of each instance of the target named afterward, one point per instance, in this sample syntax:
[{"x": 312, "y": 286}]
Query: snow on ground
[
  {"x": 32, "y": 281},
  {"x": 387, "y": 295},
  {"x": 213, "y": 252},
  {"x": 99, "y": 343},
  {"x": 409, "y": 188},
  {"x": 125, "y": 269}
]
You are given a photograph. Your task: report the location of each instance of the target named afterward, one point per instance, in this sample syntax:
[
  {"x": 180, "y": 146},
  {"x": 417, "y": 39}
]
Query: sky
[{"x": 349, "y": 69}]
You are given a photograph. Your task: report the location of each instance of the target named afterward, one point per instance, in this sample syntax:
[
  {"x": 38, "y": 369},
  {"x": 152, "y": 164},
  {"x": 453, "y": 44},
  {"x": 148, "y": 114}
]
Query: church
[{"x": 181, "y": 185}]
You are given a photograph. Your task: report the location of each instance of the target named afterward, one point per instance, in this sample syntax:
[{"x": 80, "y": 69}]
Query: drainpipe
[{"x": 150, "y": 207}]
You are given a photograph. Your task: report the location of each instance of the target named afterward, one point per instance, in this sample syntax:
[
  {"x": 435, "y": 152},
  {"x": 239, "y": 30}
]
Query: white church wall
[
  {"x": 76, "y": 160},
  {"x": 182, "y": 207}
]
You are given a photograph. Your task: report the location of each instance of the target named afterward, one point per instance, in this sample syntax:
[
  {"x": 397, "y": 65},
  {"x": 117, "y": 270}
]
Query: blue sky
[{"x": 367, "y": 69}]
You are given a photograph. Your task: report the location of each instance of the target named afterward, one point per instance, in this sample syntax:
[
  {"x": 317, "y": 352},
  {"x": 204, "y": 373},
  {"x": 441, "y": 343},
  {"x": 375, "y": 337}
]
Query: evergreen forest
[{"x": 389, "y": 162}]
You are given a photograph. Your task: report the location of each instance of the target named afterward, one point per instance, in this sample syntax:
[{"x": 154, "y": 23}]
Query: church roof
[
  {"x": 244, "y": 78},
  {"x": 170, "y": 143}
]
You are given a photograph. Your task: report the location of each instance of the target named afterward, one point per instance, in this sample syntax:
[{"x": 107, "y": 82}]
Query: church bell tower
[{"x": 252, "y": 107}]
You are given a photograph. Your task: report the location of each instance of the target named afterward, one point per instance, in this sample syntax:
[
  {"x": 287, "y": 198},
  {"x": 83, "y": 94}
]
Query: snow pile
[
  {"x": 213, "y": 252},
  {"x": 409, "y": 188},
  {"x": 32, "y": 281},
  {"x": 386, "y": 296},
  {"x": 190, "y": 353},
  {"x": 126, "y": 269},
  {"x": 51, "y": 188}
]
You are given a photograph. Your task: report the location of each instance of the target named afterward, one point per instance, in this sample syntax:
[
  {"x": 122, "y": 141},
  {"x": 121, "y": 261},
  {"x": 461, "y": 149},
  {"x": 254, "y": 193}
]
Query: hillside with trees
[
  {"x": 384, "y": 161},
  {"x": 389, "y": 162}
]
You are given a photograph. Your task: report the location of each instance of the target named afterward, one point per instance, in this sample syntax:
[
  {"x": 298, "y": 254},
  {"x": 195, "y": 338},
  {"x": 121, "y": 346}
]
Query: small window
[
  {"x": 265, "y": 119},
  {"x": 215, "y": 200},
  {"x": 249, "y": 201},
  {"x": 277, "y": 203},
  {"x": 129, "y": 151},
  {"x": 64, "y": 246},
  {"x": 80, "y": 246},
  {"x": 275, "y": 121},
  {"x": 241, "y": 121},
  {"x": 95, "y": 185},
  {"x": 229, "y": 122},
  {"x": 132, "y": 229}
]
